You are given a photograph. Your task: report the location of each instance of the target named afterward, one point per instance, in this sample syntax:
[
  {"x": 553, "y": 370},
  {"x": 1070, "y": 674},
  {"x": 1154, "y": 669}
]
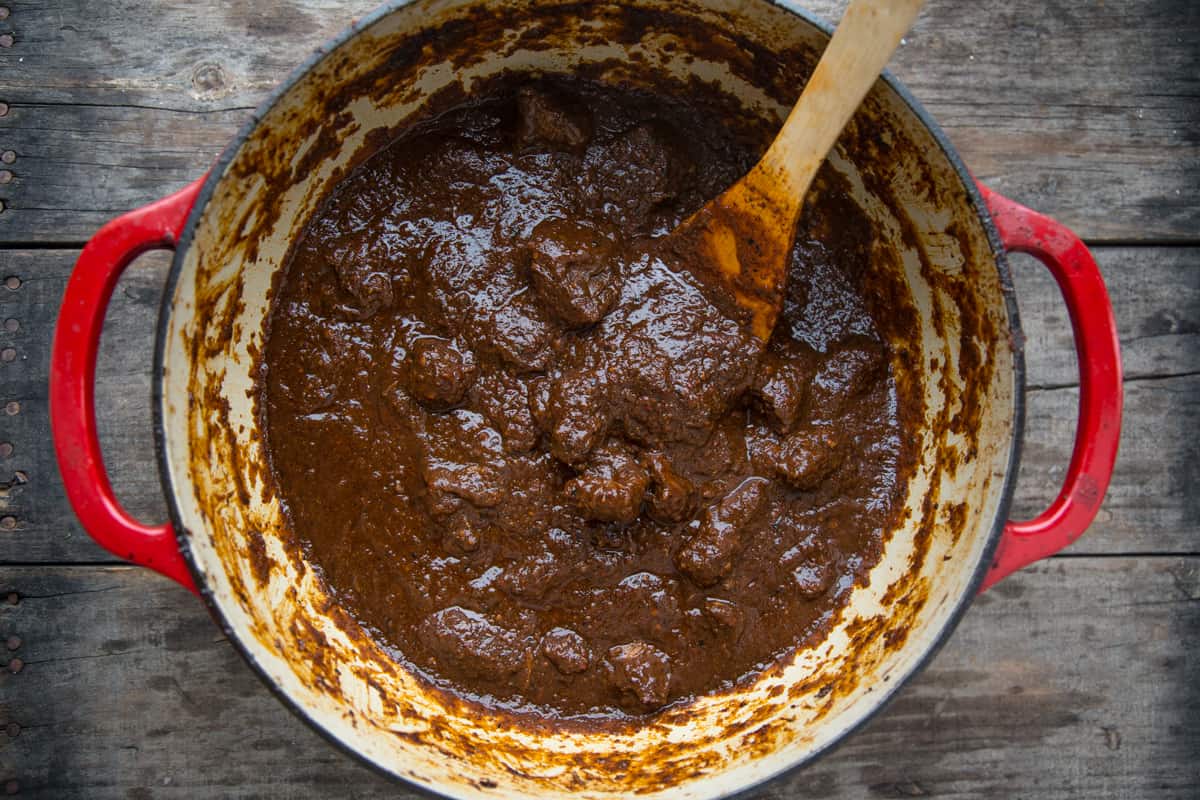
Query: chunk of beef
[
  {"x": 504, "y": 400},
  {"x": 440, "y": 373},
  {"x": 806, "y": 458},
  {"x": 460, "y": 537},
  {"x": 811, "y": 569},
  {"x": 532, "y": 578},
  {"x": 725, "y": 615},
  {"x": 642, "y": 672},
  {"x": 474, "y": 289},
  {"x": 462, "y": 460},
  {"x": 813, "y": 578},
  {"x": 780, "y": 387},
  {"x": 672, "y": 496},
  {"x": 664, "y": 365},
  {"x": 356, "y": 259},
  {"x": 572, "y": 411},
  {"x": 572, "y": 270},
  {"x": 544, "y": 120},
  {"x": 513, "y": 328},
  {"x": 651, "y": 601},
  {"x": 478, "y": 484},
  {"x": 566, "y": 650},
  {"x": 708, "y": 555},
  {"x": 850, "y": 368},
  {"x": 471, "y": 644},
  {"x": 634, "y": 173},
  {"x": 611, "y": 487},
  {"x": 716, "y": 465}
]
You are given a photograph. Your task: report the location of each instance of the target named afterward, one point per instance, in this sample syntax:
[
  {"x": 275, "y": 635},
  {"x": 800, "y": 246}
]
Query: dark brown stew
[{"x": 538, "y": 460}]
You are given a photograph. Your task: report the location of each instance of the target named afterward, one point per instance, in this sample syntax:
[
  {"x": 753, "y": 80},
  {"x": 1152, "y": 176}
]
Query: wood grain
[
  {"x": 1086, "y": 111},
  {"x": 46, "y": 529},
  {"x": 1155, "y": 295},
  {"x": 1074, "y": 678},
  {"x": 1151, "y": 508},
  {"x": 128, "y": 690}
]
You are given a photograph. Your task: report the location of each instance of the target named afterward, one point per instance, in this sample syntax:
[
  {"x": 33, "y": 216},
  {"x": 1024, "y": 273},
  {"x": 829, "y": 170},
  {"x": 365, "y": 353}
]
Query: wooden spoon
[{"x": 742, "y": 239}]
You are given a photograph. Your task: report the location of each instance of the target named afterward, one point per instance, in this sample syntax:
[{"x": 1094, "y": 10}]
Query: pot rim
[{"x": 221, "y": 165}]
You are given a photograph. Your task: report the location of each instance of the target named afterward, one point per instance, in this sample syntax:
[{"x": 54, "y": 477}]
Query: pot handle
[
  {"x": 1098, "y": 350},
  {"x": 73, "y": 377}
]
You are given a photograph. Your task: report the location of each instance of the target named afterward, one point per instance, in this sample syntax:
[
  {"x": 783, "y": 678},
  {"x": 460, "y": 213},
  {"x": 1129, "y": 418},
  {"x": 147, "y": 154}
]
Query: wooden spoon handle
[{"x": 870, "y": 31}]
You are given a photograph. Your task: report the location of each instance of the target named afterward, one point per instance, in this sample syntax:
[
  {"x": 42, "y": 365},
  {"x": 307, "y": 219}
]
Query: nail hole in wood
[
  {"x": 8, "y": 156},
  {"x": 12, "y": 408}
]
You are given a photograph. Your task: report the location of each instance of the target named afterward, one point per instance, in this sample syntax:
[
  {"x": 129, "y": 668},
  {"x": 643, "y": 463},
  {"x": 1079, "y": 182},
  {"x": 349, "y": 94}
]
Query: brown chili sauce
[{"x": 539, "y": 461}]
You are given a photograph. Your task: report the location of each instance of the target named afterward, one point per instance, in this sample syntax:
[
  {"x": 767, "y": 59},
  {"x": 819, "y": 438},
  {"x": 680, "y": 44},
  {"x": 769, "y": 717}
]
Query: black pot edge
[{"x": 885, "y": 698}]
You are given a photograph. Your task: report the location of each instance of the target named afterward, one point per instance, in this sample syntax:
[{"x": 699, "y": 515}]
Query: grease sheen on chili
[{"x": 535, "y": 457}]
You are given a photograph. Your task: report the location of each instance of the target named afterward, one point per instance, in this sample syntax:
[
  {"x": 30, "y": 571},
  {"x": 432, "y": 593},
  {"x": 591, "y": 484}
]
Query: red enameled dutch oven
[{"x": 231, "y": 232}]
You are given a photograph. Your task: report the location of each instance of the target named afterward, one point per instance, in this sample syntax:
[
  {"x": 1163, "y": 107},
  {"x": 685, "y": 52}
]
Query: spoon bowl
[{"x": 740, "y": 241}]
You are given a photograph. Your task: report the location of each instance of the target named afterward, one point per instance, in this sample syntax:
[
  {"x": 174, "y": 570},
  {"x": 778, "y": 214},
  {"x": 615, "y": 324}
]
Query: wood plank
[
  {"x": 1156, "y": 294},
  {"x": 1152, "y": 505},
  {"x": 79, "y": 166},
  {"x": 1073, "y": 679},
  {"x": 46, "y": 528},
  {"x": 1058, "y": 104},
  {"x": 1085, "y": 111}
]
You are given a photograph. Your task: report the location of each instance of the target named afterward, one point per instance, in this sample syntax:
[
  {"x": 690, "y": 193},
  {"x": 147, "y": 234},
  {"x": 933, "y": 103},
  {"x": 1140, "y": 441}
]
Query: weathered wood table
[{"x": 1079, "y": 677}]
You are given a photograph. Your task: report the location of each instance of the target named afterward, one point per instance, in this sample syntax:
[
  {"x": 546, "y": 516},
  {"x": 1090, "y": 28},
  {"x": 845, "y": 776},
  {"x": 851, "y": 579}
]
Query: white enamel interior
[{"x": 349, "y": 687}]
